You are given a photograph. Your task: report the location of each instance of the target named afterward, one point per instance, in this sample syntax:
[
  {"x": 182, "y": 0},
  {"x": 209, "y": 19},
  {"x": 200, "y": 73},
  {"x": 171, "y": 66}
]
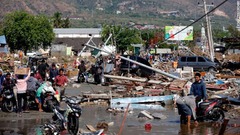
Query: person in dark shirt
[
  {"x": 53, "y": 72},
  {"x": 8, "y": 84},
  {"x": 1, "y": 79},
  {"x": 198, "y": 88},
  {"x": 82, "y": 69},
  {"x": 42, "y": 69}
]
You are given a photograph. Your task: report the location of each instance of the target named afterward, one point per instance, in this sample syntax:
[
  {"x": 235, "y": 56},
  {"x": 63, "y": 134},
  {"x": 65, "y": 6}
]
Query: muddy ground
[{"x": 30, "y": 123}]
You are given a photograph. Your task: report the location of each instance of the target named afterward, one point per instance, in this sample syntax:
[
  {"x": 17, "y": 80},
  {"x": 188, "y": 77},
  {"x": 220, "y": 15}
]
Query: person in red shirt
[
  {"x": 61, "y": 81},
  {"x": 38, "y": 77}
]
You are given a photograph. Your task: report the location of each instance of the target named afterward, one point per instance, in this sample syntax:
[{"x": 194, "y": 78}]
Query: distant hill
[{"x": 94, "y": 12}]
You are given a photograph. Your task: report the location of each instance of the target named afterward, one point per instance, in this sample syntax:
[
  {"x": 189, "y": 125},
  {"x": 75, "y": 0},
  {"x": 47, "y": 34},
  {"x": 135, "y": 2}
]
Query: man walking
[
  {"x": 60, "y": 81},
  {"x": 198, "y": 88}
]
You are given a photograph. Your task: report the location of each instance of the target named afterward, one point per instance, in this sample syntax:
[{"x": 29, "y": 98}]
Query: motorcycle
[
  {"x": 83, "y": 77},
  {"x": 31, "y": 100},
  {"x": 49, "y": 101},
  {"x": 211, "y": 110},
  {"x": 8, "y": 101},
  {"x": 65, "y": 119}
]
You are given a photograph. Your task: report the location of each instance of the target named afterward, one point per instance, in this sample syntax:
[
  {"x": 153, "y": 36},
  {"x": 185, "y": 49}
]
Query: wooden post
[
  {"x": 124, "y": 118},
  {"x": 223, "y": 127}
]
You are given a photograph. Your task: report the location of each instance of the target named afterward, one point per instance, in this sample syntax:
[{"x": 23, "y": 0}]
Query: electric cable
[{"x": 196, "y": 20}]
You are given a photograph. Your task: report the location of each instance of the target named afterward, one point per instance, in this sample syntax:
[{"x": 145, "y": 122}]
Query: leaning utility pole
[
  {"x": 238, "y": 15},
  {"x": 209, "y": 32}
]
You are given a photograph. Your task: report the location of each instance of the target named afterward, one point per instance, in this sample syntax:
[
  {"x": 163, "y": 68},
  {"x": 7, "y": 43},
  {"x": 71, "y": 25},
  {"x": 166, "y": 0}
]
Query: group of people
[
  {"x": 83, "y": 72},
  {"x": 34, "y": 81},
  {"x": 187, "y": 104}
]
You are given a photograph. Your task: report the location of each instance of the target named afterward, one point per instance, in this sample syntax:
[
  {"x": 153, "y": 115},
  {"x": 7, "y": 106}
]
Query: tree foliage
[
  {"x": 25, "y": 31},
  {"x": 233, "y": 32},
  {"x": 122, "y": 37},
  {"x": 58, "y": 22}
]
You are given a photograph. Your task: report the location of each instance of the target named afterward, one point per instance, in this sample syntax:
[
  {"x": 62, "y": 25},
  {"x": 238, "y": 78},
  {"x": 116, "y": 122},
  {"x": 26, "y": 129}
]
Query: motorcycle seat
[{"x": 205, "y": 103}]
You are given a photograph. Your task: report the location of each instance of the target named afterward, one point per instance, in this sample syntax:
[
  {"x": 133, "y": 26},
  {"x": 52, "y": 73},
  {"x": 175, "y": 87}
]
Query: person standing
[
  {"x": 42, "y": 69},
  {"x": 53, "y": 72},
  {"x": 82, "y": 70},
  {"x": 198, "y": 89},
  {"x": 1, "y": 79},
  {"x": 61, "y": 81},
  {"x": 8, "y": 84},
  {"x": 32, "y": 83},
  {"x": 186, "y": 108},
  {"x": 21, "y": 92},
  {"x": 38, "y": 77}
]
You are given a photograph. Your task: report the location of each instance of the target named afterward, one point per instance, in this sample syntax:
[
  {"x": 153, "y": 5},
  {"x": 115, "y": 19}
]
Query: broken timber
[
  {"x": 126, "y": 78},
  {"x": 133, "y": 79},
  {"x": 99, "y": 96},
  {"x": 135, "y": 62}
]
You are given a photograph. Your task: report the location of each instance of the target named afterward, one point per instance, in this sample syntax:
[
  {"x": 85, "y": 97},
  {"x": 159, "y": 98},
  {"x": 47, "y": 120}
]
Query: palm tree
[
  {"x": 66, "y": 23},
  {"x": 57, "y": 20}
]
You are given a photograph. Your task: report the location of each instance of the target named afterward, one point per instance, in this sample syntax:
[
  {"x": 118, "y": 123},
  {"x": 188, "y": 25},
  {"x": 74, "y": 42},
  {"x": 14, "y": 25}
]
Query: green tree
[
  {"x": 233, "y": 32},
  {"x": 66, "y": 23},
  {"x": 25, "y": 31},
  {"x": 58, "y": 22},
  {"x": 1, "y": 28},
  {"x": 122, "y": 37},
  {"x": 218, "y": 34}
]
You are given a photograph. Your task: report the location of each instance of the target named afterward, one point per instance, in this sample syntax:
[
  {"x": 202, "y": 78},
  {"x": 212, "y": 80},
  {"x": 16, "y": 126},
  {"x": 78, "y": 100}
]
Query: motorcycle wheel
[
  {"x": 49, "y": 106},
  {"x": 8, "y": 106},
  {"x": 73, "y": 125},
  {"x": 217, "y": 114}
]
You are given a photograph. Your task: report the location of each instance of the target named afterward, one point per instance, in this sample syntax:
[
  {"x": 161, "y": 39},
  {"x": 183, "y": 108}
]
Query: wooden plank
[
  {"x": 97, "y": 96},
  {"x": 91, "y": 128},
  {"x": 141, "y": 99},
  {"x": 223, "y": 127},
  {"x": 178, "y": 83},
  {"x": 154, "y": 82},
  {"x": 143, "y": 80},
  {"x": 126, "y": 78},
  {"x": 227, "y": 76},
  {"x": 221, "y": 92}
]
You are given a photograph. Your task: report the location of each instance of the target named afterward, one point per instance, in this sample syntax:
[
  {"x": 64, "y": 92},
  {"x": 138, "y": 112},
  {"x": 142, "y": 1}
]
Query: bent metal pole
[{"x": 135, "y": 62}]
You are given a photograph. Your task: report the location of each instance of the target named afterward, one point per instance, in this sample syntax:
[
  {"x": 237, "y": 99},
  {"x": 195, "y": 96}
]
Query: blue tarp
[{"x": 3, "y": 40}]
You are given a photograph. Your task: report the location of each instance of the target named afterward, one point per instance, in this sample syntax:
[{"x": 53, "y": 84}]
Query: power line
[{"x": 196, "y": 20}]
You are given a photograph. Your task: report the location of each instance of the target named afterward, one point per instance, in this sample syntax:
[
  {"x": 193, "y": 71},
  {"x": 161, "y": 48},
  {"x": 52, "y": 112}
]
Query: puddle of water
[{"x": 30, "y": 123}]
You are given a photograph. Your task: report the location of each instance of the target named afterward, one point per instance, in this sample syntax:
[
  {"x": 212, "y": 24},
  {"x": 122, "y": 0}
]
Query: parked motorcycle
[
  {"x": 65, "y": 119},
  {"x": 49, "y": 101},
  {"x": 211, "y": 110},
  {"x": 83, "y": 77},
  {"x": 8, "y": 101}
]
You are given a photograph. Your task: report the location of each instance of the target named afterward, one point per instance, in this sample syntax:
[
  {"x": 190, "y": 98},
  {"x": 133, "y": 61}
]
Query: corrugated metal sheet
[
  {"x": 3, "y": 40},
  {"x": 77, "y": 31}
]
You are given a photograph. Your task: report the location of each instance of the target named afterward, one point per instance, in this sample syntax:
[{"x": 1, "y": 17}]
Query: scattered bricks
[{"x": 138, "y": 88}]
